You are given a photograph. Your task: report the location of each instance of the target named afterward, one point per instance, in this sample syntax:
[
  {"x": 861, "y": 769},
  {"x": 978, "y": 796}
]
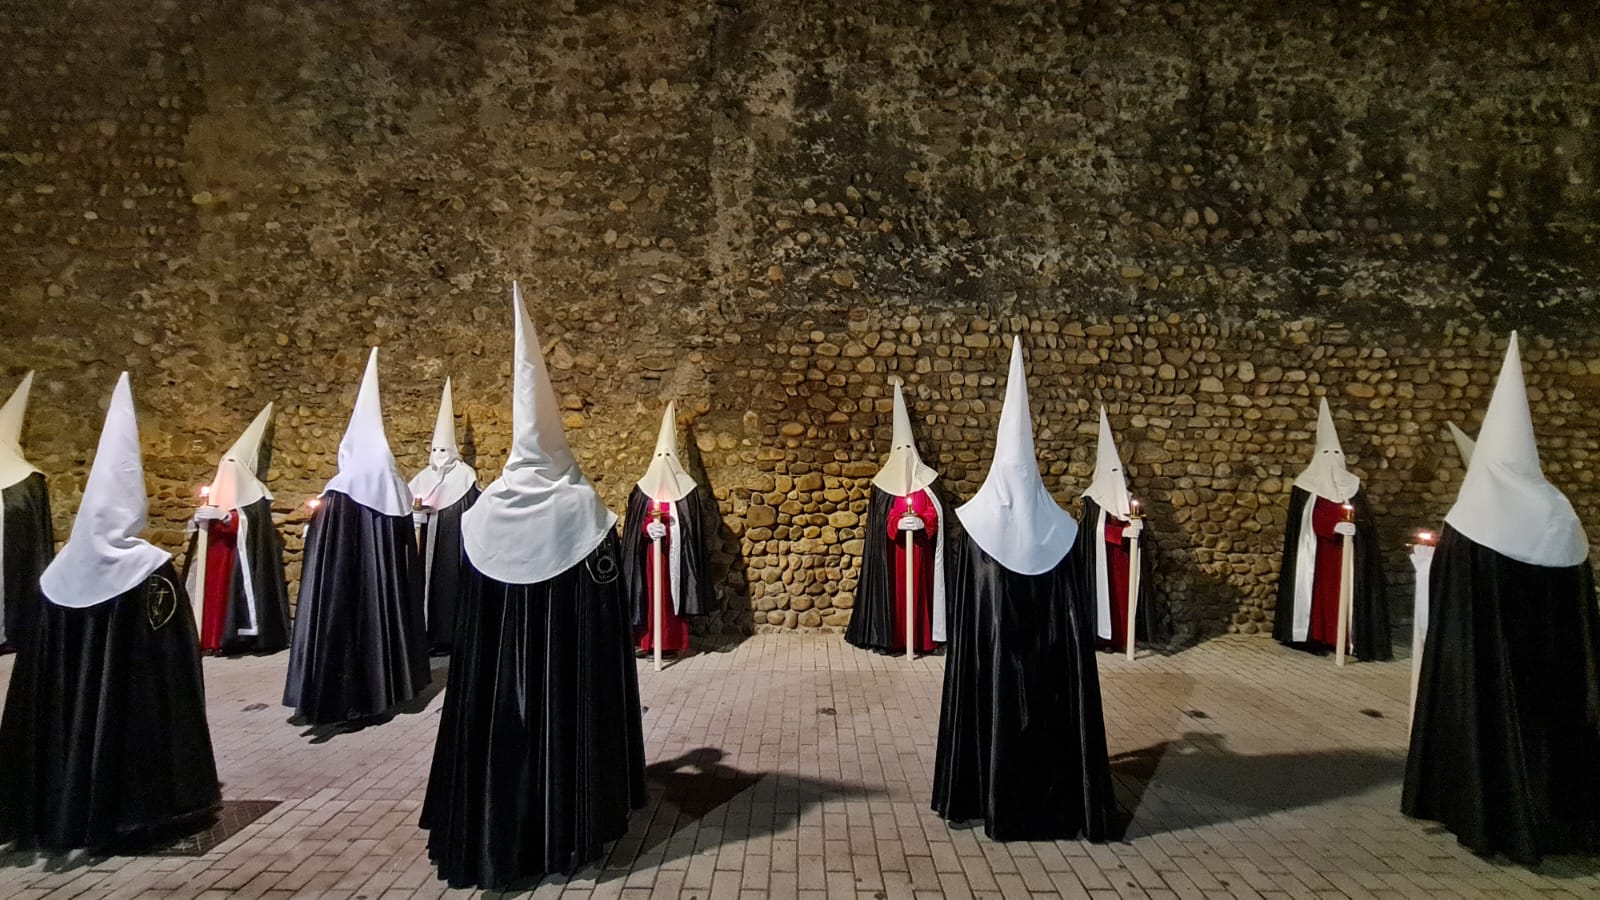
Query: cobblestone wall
[{"x": 1202, "y": 215}]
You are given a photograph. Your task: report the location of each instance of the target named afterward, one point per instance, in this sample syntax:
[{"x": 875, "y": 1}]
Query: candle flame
[
  {"x": 314, "y": 502},
  {"x": 205, "y": 490}
]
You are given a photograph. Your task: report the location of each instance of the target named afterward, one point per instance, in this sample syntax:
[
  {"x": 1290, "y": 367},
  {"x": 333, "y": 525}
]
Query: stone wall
[{"x": 1203, "y": 215}]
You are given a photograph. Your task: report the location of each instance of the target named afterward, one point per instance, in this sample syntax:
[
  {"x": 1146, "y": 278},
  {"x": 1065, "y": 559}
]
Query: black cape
[
  {"x": 263, "y": 552},
  {"x": 358, "y": 645},
  {"x": 540, "y": 754},
  {"x": 29, "y": 545},
  {"x": 1506, "y": 736},
  {"x": 1369, "y": 625},
  {"x": 695, "y": 597},
  {"x": 104, "y": 739},
  {"x": 1022, "y": 741},
  {"x": 872, "y": 618},
  {"x": 1151, "y": 623},
  {"x": 442, "y": 584}
]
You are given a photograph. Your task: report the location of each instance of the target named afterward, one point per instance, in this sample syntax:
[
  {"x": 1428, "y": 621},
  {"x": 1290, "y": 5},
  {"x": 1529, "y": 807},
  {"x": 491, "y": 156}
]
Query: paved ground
[{"x": 798, "y": 767}]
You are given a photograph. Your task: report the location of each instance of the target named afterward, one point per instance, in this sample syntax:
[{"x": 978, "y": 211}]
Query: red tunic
[
  {"x": 221, "y": 554},
  {"x": 925, "y": 545},
  {"x": 1325, "y": 580},
  {"x": 1117, "y": 560},
  {"x": 674, "y": 628}
]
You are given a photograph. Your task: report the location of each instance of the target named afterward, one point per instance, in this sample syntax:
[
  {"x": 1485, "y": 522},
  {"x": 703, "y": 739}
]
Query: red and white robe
[
  {"x": 674, "y": 628},
  {"x": 925, "y": 546}
]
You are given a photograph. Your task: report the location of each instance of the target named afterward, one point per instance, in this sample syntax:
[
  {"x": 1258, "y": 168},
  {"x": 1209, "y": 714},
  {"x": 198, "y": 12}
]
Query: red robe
[
  {"x": 222, "y": 553},
  {"x": 925, "y": 544},
  {"x": 674, "y": 629},
  {"x": 1117, "y": 561},
  {"x": 1324, "y": 628}
]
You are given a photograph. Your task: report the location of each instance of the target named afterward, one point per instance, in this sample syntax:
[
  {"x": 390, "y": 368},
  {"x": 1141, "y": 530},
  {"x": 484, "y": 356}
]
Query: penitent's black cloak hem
[
  {"x": 1506, "y": 735},
  {"x": 358, "y": 646},
  {"x": 872, "y": 618},
  {"x": 104, "y": 740},
  {"x": 29, "y": 545},
  {"x": 442, "y": 585},
  {"x": 1151, "y": 623},
  {"x": 540, "y": 753},
  {"x": 1022, "y": 741},
  {"x": 263, "y": 552},
  {"x": 697, "y": 597},
  {"x": 1370, "y": 636}
]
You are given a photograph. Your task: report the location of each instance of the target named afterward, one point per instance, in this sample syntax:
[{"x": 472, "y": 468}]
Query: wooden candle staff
[
  {"x": 656, "y": 585},
  {"x": 202, "y": 544},
  {"x": 911, "y": 591},
  {"x": 1347, "y": 585},
  {"x": 1133, "y": 577}
]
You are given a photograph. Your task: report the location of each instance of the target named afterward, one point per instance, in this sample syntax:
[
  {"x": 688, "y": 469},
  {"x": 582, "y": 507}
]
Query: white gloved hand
[
  {"x": 210, "y": 513},
  {"x": 1345, "y": 528},
  {"x": 656, "y": 531},
  {"x": 1134, "y": 529},
  {"x": 911, "y": 523}
]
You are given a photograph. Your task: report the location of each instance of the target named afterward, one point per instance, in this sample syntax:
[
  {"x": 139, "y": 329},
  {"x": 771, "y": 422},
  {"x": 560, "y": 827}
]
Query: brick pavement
[{"x": 796, "y": 766}]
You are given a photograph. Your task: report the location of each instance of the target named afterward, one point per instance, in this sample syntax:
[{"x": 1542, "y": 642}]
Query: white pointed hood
[
  {"x": 541, "y": 516},
  {"x": 104, "y": 556},
  {"x": 1505, "y": 502},
  {"x": 903, "y": 473},
  {"x": 1012, "y": 517},
  {"x": 447, "y": 477},
  {"x": 1464, "y": 444},
  {"x": 367, "y": 472},
  {"x": 1327, "y": 477},
  {"x": 665, "y": 481},
  {"x": 238, "y": 481},
  {"x": 13, "y": 467},
  {"x": 1109, "y": 489}
]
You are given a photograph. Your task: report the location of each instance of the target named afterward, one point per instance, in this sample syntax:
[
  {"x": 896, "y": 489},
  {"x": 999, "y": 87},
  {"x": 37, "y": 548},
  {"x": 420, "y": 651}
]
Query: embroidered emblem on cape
[
  {"x": 160, "y": 601},
  {"x": 603, "y": 567}
]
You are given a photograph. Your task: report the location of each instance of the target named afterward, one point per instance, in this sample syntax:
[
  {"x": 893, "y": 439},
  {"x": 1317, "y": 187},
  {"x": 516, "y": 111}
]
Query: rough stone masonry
[{"x": 1202, "y": 215}]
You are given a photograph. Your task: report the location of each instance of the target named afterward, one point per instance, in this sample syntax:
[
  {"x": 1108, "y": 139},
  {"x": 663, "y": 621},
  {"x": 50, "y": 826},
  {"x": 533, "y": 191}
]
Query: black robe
[
  {"x": 1369, "y": 627},
  {"x": 358, "y": 645},
  {"x": 28, "y": 546},
  {"x": 1506, "y": 736},
  {"x": 1151, "y": 623},
  {"x": 263, "y": 552},
  {"x": 442, "y": 585},
  {"x": 695, "y": 597},
  {"x": 1022, "y": 741},
  {"x": 104, "y": 739},
  {"x": 540, "y": 754}
]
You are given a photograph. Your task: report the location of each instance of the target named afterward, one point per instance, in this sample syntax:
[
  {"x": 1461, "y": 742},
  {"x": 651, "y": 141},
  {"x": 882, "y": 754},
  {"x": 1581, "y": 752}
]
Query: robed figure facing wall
[
  {"x": 240, "y": 595},
  {"x": 540, "y": 753},
  {"x": 1022, "y": 742},
  {"x": 27, "y": 542},
  {"x": 359, "y": 646},
  {"x": 903, "y": 509},
  {"x": 1506, "y": 734},
  {"x": 104, "y": 742},
  {"x": 1326, "y": 504},
  {"x": 664, "y": 541}
]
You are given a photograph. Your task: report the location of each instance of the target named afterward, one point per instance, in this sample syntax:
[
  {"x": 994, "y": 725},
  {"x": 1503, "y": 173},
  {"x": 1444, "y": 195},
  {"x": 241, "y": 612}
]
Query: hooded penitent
[
  {"x": 1105, "y": 551},
  {"x": 1324, "y": 495},
  {"x": 244, "y": 603},
  {"x": 1013, "y": 518},
  {"x": 540, "y": 754},
  {"x": 541, "y": 490},
  {"x": 444, "y": 491},
  {"x": 669, "y": 496},
  {"x": 359, "y": 646},
  {"x": 104, "y": 735},
  {"x": 26, "y": 539},
  {"x": 1507, "y": 723},
  {"x": 367, "y": 472},
  {"x": 903, "y": 487},
  {"x": 1022, "y": 739}
]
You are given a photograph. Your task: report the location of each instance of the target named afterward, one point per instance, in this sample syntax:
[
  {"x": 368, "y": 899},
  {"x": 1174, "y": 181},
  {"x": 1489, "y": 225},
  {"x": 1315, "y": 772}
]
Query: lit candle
[
  {"x": 1426, "y": 538},
  {"x": 1349, "y": 513},
  {"x": 1133, "y": 508},
  {"x": 313, "y": 503},
  {"x": 205, "y": 492}
]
